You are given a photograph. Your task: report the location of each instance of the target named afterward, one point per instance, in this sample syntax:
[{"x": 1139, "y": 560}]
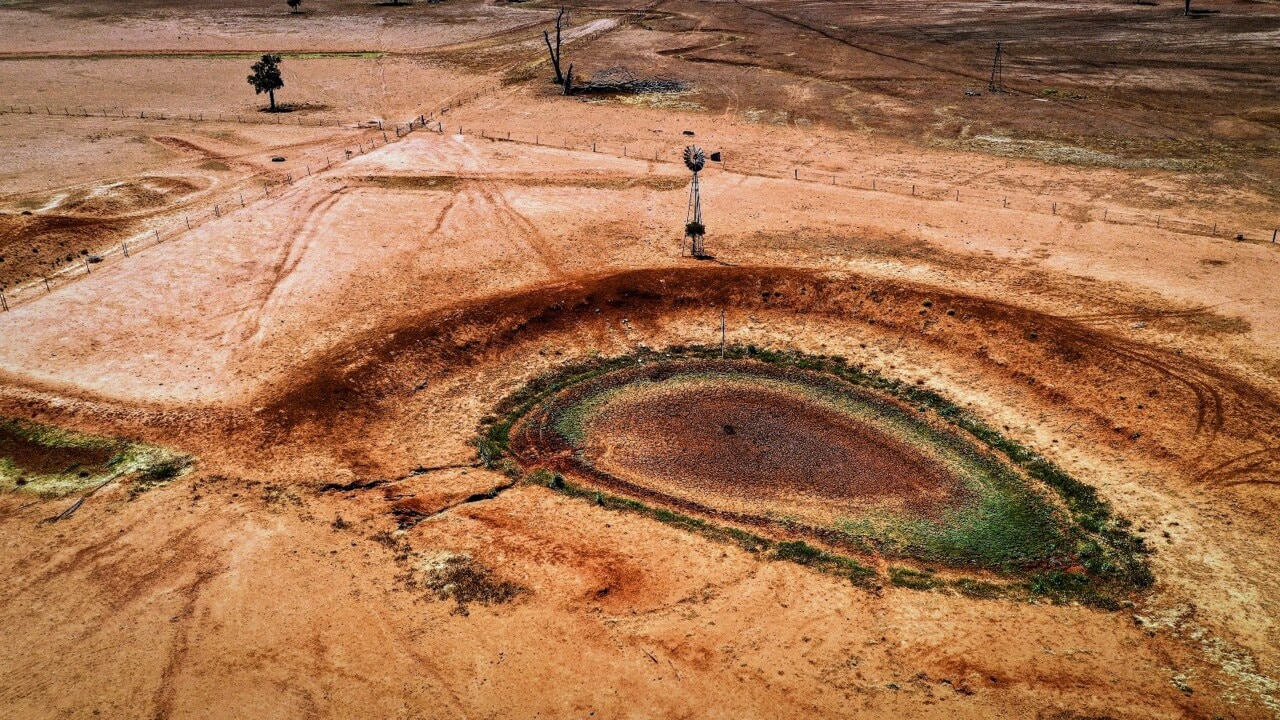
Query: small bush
[{"x": 913, "y": 579}]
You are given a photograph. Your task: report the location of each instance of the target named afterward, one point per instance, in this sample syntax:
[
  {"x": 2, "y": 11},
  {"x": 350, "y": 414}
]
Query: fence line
[
  {"x": 915, "y": 188},
  {"x": 154, "y": 235},
  {"x": 433, "y": 120},
  {"x": 223, "y": 205},
  {"x": 275, "y": 118}
]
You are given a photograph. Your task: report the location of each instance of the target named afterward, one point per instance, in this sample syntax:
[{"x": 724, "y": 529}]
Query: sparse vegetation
[
  {"x": 53, "y": 462},
  {"x": 1014, "y": 531},
  {"x": 458, "y": 577}
]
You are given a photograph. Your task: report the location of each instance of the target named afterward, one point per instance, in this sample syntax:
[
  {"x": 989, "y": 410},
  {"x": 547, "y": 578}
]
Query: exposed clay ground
[
  {"x": 758, "y": 445},
  {"x": 326, "y": 352}
]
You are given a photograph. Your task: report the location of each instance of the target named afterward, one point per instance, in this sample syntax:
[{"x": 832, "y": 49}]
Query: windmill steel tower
[
  {"x": 695, "y": 160},
  {"x": 996, "y": 83}
]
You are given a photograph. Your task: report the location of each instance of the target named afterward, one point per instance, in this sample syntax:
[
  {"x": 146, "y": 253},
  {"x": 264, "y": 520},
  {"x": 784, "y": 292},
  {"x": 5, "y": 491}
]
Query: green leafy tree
[{"x": 266, "y": 77}]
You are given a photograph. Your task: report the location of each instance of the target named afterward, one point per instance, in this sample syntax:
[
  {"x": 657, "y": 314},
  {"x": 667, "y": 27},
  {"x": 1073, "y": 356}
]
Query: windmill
[
  {"x": 695, "y": 160},
  {"x": 996, "y": 83}
]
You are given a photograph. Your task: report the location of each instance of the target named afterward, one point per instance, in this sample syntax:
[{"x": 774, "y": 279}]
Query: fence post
[
  {"x": 1104, "y": 216},
  {"x": 795, "y": 173},
  {"x": 216, "y": 211},
  {"x": 184, "y": 217},
  {"x": 4, "y": 303},
  {"x": 241, "y": 199},
  {"x": 1157, "y": 221},
  {"x": 46, "y": 286},
  {"x": 157, "y": 232},
  {"x": 124, "y": 246},
  {"x": 1273, "y": 235},
  {"x": 1055, "y": 208},
  {"x": 957, "y": 196},
  {"x": 87, "y": 271}
]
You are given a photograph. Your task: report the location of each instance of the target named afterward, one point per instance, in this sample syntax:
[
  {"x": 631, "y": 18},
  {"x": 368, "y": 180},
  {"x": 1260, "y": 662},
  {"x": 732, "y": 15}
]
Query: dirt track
[{"x": 327, "y": 352}]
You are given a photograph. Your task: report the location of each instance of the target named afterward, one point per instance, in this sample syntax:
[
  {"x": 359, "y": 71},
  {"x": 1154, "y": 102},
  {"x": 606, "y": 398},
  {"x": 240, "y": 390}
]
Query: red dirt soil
[
  {"x": 327, "y": 351},
  {"x": 765, "y": 446}
]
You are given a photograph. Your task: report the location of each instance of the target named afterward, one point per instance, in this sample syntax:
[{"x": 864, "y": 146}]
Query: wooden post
[
  {"x": 4, "y": 303},
  {"x": 87, "y": 271},
  {"x": 1274, "y": 233},
  {"x": 216, "y": 211},
  {"x": 184, "y": 217},
  {"x": 1055, "y": 208},
  {"x": 46, "y": 286},
  {"x": 1157, "y": 221},
  {"x": 722, "y": 333},
  {"x": 241, "y": 199},
  {"x": 957, "y": 196},
  {"x": 873, "y": 183},
  {"x": 124, "y": 247},
  {"x": 157, "y": 232}
]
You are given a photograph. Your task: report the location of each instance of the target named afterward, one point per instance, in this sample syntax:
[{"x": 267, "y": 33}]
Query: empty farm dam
[{"x": 385, "y": 359}]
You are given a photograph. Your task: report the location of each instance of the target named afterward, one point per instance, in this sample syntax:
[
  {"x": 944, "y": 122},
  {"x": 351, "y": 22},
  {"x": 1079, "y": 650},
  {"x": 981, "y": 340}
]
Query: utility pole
[{"x": 996, "y": 84}]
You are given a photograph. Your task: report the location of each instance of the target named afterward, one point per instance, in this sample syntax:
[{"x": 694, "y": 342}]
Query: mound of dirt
[{"x": 127, "y": 198}]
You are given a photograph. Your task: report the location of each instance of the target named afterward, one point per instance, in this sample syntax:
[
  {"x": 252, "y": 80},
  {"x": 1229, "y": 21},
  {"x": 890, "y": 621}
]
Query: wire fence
[
  {"x": 907, "y": 187},
  {"x": 291, "y": 117},
  {"x": 210, "y": 208},
  {"x": 213, "y": 208},
  {"x": 434, "y": 121}
]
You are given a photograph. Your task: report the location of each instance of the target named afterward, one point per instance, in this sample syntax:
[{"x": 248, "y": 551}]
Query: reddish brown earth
[
  {"x": 327, "y": 351},
  {"x": 753, "y": 444}
]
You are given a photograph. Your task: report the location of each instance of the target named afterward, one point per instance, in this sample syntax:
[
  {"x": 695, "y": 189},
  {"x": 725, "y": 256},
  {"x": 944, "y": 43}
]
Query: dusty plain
[{"x": 325, "y": 336}]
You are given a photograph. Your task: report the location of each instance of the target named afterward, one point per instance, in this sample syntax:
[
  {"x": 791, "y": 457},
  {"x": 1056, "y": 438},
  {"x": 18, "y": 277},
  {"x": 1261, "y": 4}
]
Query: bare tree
[
  {"x": 294, "y": 5},
  {"x": 554, "y": 52},
  {"x": 568, "y": 81}
]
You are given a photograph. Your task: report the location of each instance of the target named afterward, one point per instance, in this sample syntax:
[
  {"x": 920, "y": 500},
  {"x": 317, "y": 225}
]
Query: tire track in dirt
[
  {"x": 166, "y": 694},
  {"x": 249, "y": 327},
  {"x": 524, "y": 229}
]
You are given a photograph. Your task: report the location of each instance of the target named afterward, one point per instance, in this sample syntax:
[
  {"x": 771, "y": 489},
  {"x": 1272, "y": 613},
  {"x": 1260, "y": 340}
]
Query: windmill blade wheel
[{"x": 694, "y": 158}]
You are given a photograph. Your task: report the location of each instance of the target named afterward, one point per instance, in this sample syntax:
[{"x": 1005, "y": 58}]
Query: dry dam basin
[{"x": 683, "y": 359}]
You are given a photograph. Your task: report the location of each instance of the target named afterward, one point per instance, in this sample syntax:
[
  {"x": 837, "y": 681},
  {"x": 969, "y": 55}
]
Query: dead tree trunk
[
  {"x": 1186, "y": 9},
  {"x": 554, "y": 52},
  {"x": 568, "y": 81}
]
